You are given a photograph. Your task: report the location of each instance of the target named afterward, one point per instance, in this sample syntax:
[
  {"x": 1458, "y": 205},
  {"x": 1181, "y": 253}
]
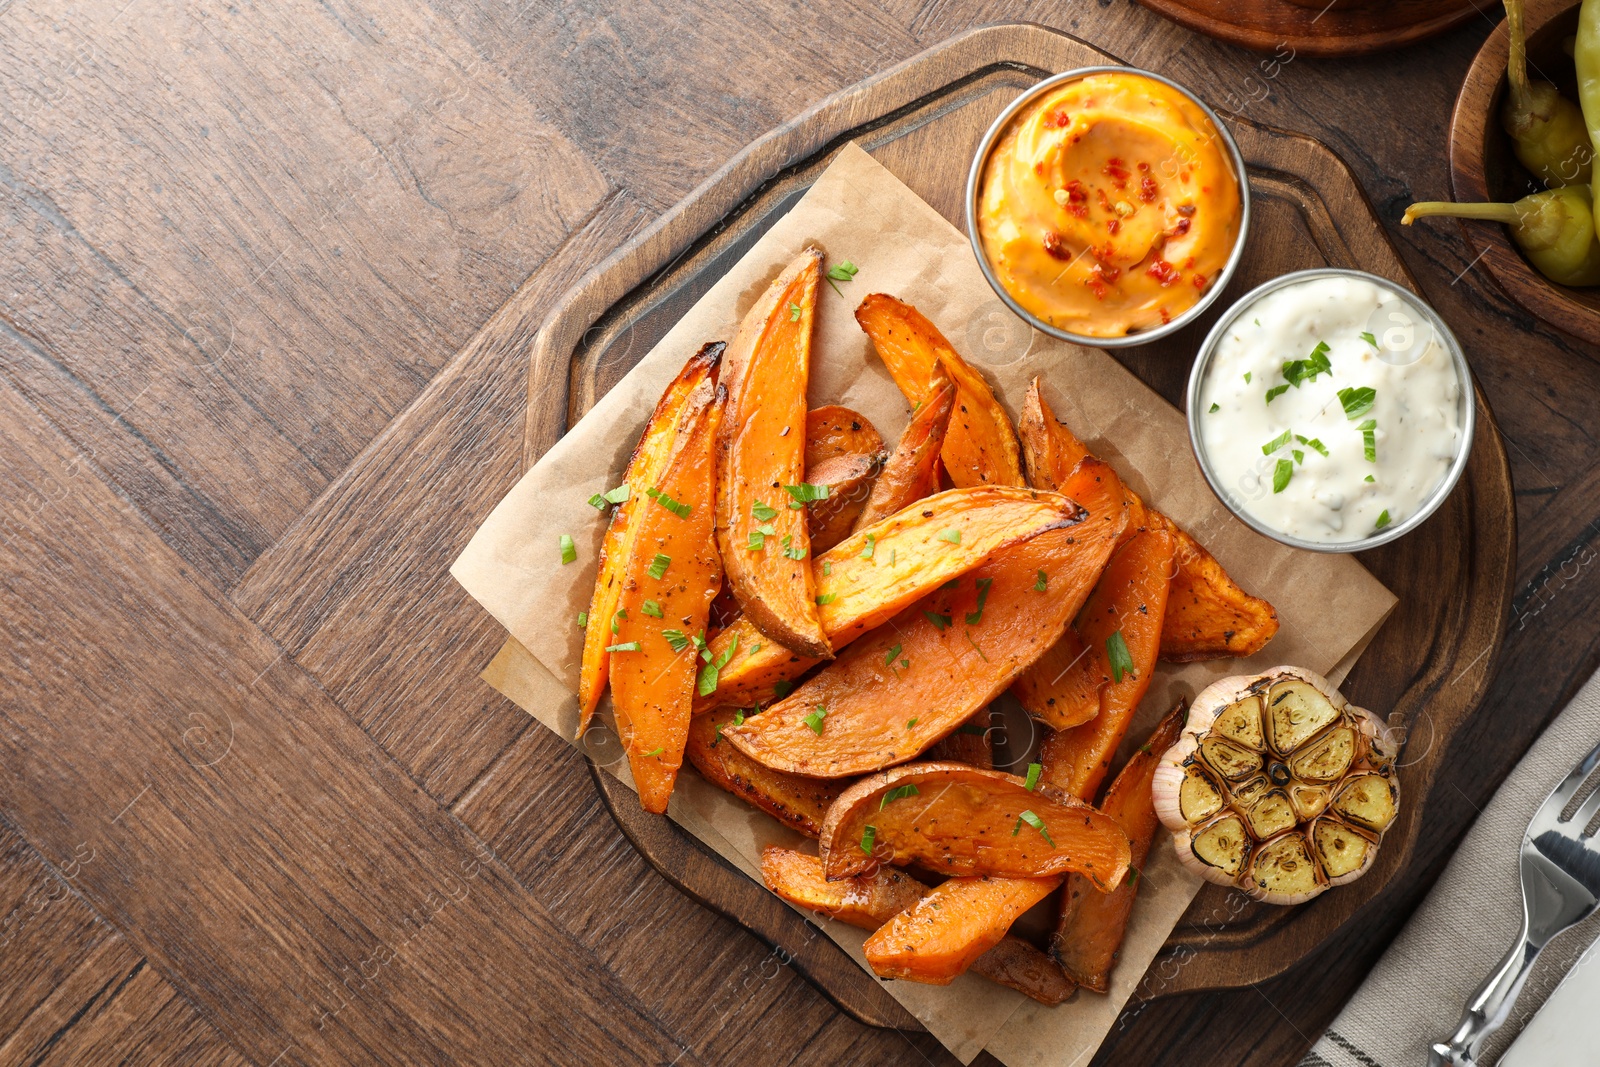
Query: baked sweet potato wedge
[
  {"x": 870, "y": 900},
  {"x": 912, "y": 470},
  {"x": 876, "y": 573},
  {"x": 981, "y": 446},
  {"x": 834, "y": 430},
  {"x": 645, "y": 468},
  {"x": 765, "y": 543},
  {"x": 1062, "y": 687},
  {"x": 1092, "y": 923},
  {"x": 1121, "y": 624},
  {"x": 895, "y": 692},
  {"x": 848, "y": 480},
  {"x": 672, "y": 575},
  {"x": 1209, "y": 616},
  {"x": 964, "y": 822},
  {"x": 969, "y": 744},
  {"x": 946, "y": 932},
  {"x": 799, "y": 803}
]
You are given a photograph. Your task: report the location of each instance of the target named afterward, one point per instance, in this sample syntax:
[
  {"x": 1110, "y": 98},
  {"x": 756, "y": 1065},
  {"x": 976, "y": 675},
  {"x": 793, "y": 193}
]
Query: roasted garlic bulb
[{"x": 1278, "y": 785}]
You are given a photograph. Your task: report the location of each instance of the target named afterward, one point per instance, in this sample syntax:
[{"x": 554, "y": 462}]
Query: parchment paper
[{"x": 1328, "y": 605}]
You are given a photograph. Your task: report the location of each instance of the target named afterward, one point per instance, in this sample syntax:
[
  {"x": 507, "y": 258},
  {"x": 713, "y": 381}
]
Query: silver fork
[{"x": 1560, "y": 887}]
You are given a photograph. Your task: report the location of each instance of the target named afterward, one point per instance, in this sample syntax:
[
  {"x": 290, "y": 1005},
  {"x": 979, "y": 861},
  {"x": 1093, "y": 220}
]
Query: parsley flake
[
  {"x": 899, "y": 792},
  {"x": 654, "y": 752},
  {"x": 1034, "y": 821},
  {"x": 569, "y": 551},
  {"x": 805, "y": 493},
  {"x": 1034, "y": 770},
  {"x": 870, "y": 547},
  {"x": 652, "y": 608},
  {"x": 1275, "y": 392},
  {"x": 1369, "y": 440},
  {"x": 677, "y": 639},
  {"x": 869, "y": 837},
  {"x": 626, "y": 646},
  {"x": 763, "y": 513},
  {"x": 707, "y": 683},
  {"x": 1357, "y": 402},
  {"x": 678, "y": 508},
  {"x": 841, "y": 272},
  {"x": 1371, "y": 340},
  {"x": 583, "y": 620},
  {"x": 1043, "y": 583},
  {"x": 814, "y": 720},
  {"x": 794, "y": 312},
  {"x": 1276, "y": 443},
  {"x": 1121, "y": 659},
  {"x": 1383, "y": 520},
  {"x": 950, "y": 534},
  {"x": 824, "y": 599},
  {"x": 658, "y": 566},
  {"x": 1281, "y": 475},
  {"x": 1214, "y": 409},
  {"x": 1299, "y": 371},
  {"x": 976, "y": 615},
  {"x": 939, "y": 621}
]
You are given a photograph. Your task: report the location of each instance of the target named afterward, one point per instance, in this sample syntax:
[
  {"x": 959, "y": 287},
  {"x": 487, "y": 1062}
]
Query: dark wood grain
[
  {"x": 1285, "y": 28},
  {"x": 1482, "y": 166},
  {"x": 923, "y": 122},
  {"x": 154, "y": 159}
]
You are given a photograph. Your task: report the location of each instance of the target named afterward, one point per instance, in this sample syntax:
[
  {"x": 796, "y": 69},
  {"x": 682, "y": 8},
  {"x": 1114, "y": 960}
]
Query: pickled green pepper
[
  {"x": 1586, "y": 57},
  {"x": 1547, "y": 130},
  {"x": 1555, "y": 229}
]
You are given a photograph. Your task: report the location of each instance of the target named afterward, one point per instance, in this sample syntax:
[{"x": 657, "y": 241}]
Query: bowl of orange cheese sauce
[{"x": 1108, "y": 206}]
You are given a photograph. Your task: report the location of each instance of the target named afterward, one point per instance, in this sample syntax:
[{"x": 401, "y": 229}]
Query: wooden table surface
[{"x": 254, "y": 805}]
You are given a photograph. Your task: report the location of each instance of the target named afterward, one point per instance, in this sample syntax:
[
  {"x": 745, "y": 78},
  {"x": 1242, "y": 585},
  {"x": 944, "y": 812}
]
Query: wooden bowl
[
  {"x": 1290, "y": 28},
  {"x": 1482, "y": 166}
]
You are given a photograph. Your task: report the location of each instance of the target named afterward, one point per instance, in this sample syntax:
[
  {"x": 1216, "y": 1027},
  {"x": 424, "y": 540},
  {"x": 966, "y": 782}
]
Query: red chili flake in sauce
[
  {"x": 1104, "y": 253},
  {"x": 1105, "y": 202},
  {"x": 1166, "y": 316},
  {"x": 1163, "y": 272},
  {"x": 1148, "y": 190},
  {"x": 1181, "y": 228},
  {"x": 1056, "y": 245},
  {"x": 1144, "y": 168},
  {"x": 1060, "y": 120},
  {"x": 1199, "y": 280},
  {"x": 1113, "y": 225},
  {"x": 1077, "y": 199},
  {"x": 1186, "y": 209},
  {"x": 1100, "y": 279},
  {"x": 1117, "y": 171}
]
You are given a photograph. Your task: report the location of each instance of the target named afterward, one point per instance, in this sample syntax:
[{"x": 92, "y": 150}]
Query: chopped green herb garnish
[
  {"x": 1281, "y": 475},
  {"x": 763, "y": 513},
  {"x": 758, "y": 536},
  {"x": 1043, "y": 583},
  {"x": 899, "y": 792},
  {"x": 814, "y": 720},
  {"x": 676, "y": 507},
  {"x": 1312, "y": 443},
  {"x": 869, "y": 837},
  {"x": 1383, "y": 520},
  {"x": 1299, "y": 456},
  {"x": 1369, "y": 439},
  {"x": 583, "y": 620},
  {"x": 658, "y": 566},
  {"x": 939, "y": 621},
  {"x": 824, "y": 599},
  {"x": 794, "y": 312},
  {"x": 1247, "y": 377},
  {"x": 597, "y": 501},
  {"x": 951, "y": 584},
  {"x": 1034, "y": 821},
  {"x": 911, "y": 722},
  {"x": 1369, "y": 478},
  {"x": 654, "y": 752},
  {"x": 569, "y": 551},
  {"x": 738, "y": 716},
  {"x": 1034, "y": 770},
  {"x": 893, "y": 654},
  {"x": 622, "y": 613},
  {"x": 611, "y": 496},
  {"x": 789, "y": 550},
  {"x": 841, "y": 272},
  {"x": 1299, "y": 371},
  {"x": 1215, "y": 409},
  {"x": 651, "y": 608},
  {"x": 1357, "y": 402},
  {"x": 827, "y": 569},
  {"x": 754, "y": 649},
  {"x": 677, "y": 639},
  {"x": 968, "y": 635},
  {"x": 707, "y": 683},
  {"x": 782, "y": 689},
  {"x": 975, "y": 616},
  {"x": 951, "y": 534},
  {"x": 699, "y": 640},
  {"x": 1258, "y": 322},
  {"x": 1371, "y": 340},
  {"x": 1275, "y": 392},
  {"x": 870, "y": 547},
  {"x": 805, "y": 493},
  {"x": 1276, "y": 443},
  {"x": 1121, "y": 659},
  {"x": 626, "y": 646}
]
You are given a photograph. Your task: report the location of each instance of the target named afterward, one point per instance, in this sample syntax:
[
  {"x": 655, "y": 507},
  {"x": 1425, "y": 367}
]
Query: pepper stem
[
  {"x": 1509, "y": 214},
  {"x": 1517, "y": 61}
]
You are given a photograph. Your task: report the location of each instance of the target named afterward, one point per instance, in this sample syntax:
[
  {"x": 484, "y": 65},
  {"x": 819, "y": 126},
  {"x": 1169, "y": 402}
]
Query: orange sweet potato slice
[
  {"x": 1209, "y": 616},
  {"x": 870, "y": 900},
  {"x": 644, "y": 472},
  {"x": 834, "y": 430},
  {"x": 762, "y": 462},
  {"x": 964, "y": 821},
  {"x": 799, "y": 803},
  {"x": 898, "y": 690},
  {"x": 877, "y": 572},
  {"x": 981, "y": 446},
  {"x": 1124, "y": 610},
  {"x": 912, "y": 470},
  {"x": 849, "y": 481},
  {"x": 1093, "y": 923},
  {"x": 1062, "y": 687},
  {"x": 671, "y": 578},
  {"x": 946, "y": 932}
]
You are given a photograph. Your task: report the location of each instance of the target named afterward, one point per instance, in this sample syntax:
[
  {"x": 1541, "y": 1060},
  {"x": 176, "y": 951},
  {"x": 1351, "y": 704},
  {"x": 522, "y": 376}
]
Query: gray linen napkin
[{"x": 1415, "y": 994}]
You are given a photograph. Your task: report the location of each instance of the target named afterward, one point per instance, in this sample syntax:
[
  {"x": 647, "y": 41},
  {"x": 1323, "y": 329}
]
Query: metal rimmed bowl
[
  {"x": 1143, "y": 337},
  {"x": 1466, "y": 410}
]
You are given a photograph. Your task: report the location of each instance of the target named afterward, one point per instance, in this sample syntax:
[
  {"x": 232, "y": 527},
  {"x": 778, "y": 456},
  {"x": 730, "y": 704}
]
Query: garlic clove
[
  {"x": 1199, "y": 797},
  {"x": 1240, "y": 722},
  {"x": 1296, "y": 711},
  {"x": 1271, "y": 815},
  {"x": 1309, "y": 800},
  {"x": 1327, "y": 758},
  {"x": 1283, "y": 871},
  {"x": 1222, "y": 845},
  {"x": 1370, "y": 801},
  {"x": 1344, "y": 852},
  {"x": 1228, "y": 759}
]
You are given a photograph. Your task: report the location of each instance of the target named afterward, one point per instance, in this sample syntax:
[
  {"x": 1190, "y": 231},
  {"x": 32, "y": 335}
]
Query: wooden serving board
[{"x": 922, "y": 120}]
